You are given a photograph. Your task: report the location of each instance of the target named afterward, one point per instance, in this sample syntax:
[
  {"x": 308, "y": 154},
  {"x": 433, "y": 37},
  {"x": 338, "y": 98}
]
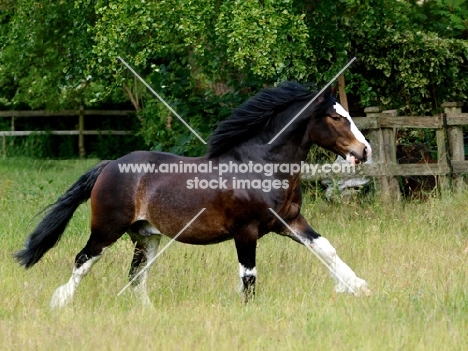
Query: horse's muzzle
[{"x": 359, "y": 156}]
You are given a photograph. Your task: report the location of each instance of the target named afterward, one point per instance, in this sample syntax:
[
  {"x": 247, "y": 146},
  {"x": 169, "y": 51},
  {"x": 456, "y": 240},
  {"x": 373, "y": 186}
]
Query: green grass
[{"x": 411, "y": 254}]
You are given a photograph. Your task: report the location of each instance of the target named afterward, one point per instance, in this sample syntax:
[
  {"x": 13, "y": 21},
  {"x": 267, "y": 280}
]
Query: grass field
[{"x": 411, "y": 254}]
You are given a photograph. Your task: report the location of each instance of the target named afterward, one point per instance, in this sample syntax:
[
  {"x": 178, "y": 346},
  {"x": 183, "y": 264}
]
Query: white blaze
[{"x": 357, "y": 133}]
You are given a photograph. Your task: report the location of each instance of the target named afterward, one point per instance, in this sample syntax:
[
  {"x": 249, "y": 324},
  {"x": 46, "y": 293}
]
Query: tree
[
  {"x": 447, "y": 18},
  {"x": 207, "y": 56},
  {"x": 187, "y": 49},
  {"x": 44, "y": 55}
]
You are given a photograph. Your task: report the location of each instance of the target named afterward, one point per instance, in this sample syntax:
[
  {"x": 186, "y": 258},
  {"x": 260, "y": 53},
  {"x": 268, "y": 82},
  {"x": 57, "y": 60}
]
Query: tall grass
[{"x": 411, "y": 254}]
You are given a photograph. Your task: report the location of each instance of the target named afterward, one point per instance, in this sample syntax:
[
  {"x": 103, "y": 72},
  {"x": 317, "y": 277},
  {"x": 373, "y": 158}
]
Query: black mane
[{"x": 255, "y": 114}]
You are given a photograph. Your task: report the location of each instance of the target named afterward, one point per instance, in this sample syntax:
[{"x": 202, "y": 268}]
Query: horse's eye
[{"x": 336, "y": 118}]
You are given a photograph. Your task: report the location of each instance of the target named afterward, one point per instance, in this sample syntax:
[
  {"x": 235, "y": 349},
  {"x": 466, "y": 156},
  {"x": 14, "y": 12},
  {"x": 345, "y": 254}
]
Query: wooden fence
[
  {"x": 379, "y": 127},
  {"x": 80, "y": 131}
]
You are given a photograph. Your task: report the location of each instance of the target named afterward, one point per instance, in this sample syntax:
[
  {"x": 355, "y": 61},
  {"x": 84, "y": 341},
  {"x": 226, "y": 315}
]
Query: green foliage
[
  {"x": 187, "y": 48},
  {"x": 47, "y": 146},
  {"x": 111, "y": 147},
  {"x": 206, "y": 57},
  {"x": 33, "y": 146},
  {"x": 43, "y": 60},
  {"x": 447, "y": 18},
  {"x": 202, "y": 109},
  {"x": 268, "y": 37},
  {"x": 414, "y": 72},
  {"x": 399, "y": 67},
  {"x": 5, "y": 19}
]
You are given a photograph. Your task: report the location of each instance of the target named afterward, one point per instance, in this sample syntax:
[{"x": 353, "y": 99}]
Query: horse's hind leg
[
  {"x": 146, "y": 248},
  {"x": 85, "y": 259}
]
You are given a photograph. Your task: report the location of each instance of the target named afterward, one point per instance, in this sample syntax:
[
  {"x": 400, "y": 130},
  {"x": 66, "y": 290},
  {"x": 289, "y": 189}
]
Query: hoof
[
  {"x": 61, "y": 297},
  {"x": 357, "y": 287},
  {"x": 363, "y": 291}
]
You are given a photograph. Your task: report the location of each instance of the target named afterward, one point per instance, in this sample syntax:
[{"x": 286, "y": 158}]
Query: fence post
[
  {"x": 373, "y": 135},
  {"x": 81, "y": 147},
  {"x": 342, "y": 92},
  {"x": 389, "y": 159},
  {"x": 376, "y": 142},
  {"x": 456, "y": 147},
  {"x": 442, "y": 162},
  {"x": 382, "y": 141}
]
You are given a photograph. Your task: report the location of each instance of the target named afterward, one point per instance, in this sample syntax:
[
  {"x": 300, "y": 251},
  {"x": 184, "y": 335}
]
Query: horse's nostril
[{"x": 365, "y": 153}]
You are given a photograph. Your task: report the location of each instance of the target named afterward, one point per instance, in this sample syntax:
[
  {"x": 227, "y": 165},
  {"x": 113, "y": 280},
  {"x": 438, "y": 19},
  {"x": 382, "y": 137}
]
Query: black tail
[{"x": 58, "y": 214}]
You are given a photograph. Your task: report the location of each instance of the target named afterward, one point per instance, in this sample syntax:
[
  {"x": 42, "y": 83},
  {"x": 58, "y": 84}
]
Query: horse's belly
[
  {"x": 205, "y": 229},
  {"x": 204, "y": 238}
]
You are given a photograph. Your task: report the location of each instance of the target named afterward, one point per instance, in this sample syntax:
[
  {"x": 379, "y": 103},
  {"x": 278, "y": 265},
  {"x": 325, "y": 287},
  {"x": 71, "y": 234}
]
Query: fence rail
[
  {"x": 80, "y": 132},
  {"x": 65, "y": 132},
  {"x": 65, "y": 113}
]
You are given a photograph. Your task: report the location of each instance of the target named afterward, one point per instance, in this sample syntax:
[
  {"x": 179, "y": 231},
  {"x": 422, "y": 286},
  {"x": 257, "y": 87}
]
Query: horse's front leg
[
  {"x": 246, "y": 245},
  {"x": 345, "y": 278}
]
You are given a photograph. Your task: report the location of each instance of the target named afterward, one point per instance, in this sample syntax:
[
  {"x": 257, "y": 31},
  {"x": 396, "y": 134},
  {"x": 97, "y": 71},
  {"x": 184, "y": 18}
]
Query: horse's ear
[
  {"x": 334, "y": 90},
  {"x": 325, "y": 95}
]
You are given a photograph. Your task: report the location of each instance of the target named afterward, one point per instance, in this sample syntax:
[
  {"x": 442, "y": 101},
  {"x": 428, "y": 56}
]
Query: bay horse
[{"x": 145, "y": 201}]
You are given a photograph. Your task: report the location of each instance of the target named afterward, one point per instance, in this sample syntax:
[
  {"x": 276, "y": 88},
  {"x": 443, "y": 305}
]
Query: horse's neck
[
  {"x": 286, "y": 152},
  {"x": 276, "y": 153}
]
